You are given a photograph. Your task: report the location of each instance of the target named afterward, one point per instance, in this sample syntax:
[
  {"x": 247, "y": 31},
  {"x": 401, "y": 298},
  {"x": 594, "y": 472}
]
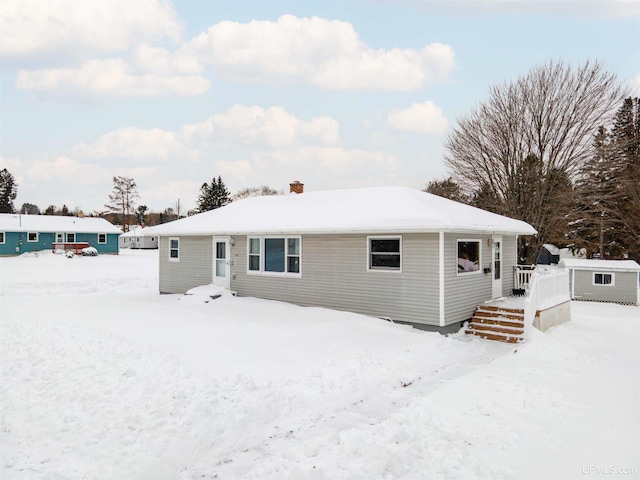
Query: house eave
[{"x": 391, "y": 229}]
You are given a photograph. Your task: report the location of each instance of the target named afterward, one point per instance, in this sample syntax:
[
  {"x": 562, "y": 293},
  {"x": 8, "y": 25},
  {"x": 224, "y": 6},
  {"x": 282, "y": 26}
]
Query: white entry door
[
  {"x": 221, "y": 262},
  {"x": 496, "y": 267}
]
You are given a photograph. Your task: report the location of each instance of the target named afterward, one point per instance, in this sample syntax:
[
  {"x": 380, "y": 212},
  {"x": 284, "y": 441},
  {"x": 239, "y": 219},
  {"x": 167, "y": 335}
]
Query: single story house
[
  {"x": 31, "y": 233},
  {"x": 603, "y": 280},
  {"x": 138, "y": 237},
  {"x": 388, "y": 252}
]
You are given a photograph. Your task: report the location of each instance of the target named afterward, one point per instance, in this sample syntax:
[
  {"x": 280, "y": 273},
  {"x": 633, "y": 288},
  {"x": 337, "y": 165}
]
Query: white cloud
[
  {"x": 138, "y": 145},
  {"x": 322, "y": 52},
  {"x": 575, "y": 8},
  {"x": 423, "y": 117},
  {"x": 36, "y": 29},
  {"x": 272, "y": 127},
  {"x": 109, "y": 78}
]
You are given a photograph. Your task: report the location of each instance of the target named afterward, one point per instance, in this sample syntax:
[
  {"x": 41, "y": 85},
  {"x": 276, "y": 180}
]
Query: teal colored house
[{"x": 32, "y": 233}]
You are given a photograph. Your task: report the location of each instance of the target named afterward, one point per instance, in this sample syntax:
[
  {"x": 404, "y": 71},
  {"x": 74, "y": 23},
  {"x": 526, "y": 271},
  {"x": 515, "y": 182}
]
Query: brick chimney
[{"x": 296, "y": 187}]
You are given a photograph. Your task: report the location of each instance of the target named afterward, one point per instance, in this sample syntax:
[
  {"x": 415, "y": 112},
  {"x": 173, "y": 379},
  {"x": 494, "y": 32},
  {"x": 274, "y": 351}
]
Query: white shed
[
  {"x": 139, "y": 238},
  {"x": 604, "y": 280}
]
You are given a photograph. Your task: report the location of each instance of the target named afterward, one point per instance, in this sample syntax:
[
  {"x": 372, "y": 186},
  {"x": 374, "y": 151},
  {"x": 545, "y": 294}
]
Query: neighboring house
[
  {"x": 30, "y": 233},
  {"x": 549, "y": 255},
  {"x": 388, "y": 252},
  {"x": 138, "y": 237},
  {"x": 604, "y": 280}
]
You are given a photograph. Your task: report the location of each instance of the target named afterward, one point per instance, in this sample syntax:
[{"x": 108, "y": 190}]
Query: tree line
[
  {"x": 123, "y": 208},
  {"x": 560, "y": 149}
]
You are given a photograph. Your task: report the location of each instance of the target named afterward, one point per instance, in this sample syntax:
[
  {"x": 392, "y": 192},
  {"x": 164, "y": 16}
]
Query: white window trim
[
  {"x": 105, "y": 238},
  {"x": 381, "y": 269},
  {"x": 66, "y": 237},
  {"x": 4, "y": 237},
  {"x": 613, "y": 279},
  {"x": 261, "y": 255},
  {"x": 475, "y": 272},
  {"x": 33, "y": 241},
  {"x": 174, "y": 259}
]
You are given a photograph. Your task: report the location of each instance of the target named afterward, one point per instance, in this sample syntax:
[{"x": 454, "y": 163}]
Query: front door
[
  {"x": 221, "y": 263},
  {"x": 496, "y": 267}
]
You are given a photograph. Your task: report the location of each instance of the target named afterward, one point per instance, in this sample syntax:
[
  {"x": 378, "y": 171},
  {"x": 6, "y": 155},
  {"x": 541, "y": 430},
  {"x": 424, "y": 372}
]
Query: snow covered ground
[{"x": 102, "y": 378}]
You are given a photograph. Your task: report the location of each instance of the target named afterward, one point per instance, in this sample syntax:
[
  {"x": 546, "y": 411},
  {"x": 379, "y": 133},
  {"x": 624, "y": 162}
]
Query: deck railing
[
  {"x": 522, "y": 277},
  {"x": 547, "y": 287},
  {"x": 75, "y": 247}
]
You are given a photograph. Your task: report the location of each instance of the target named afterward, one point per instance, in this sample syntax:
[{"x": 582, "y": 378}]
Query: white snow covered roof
[
  {"x": 608, "y": 265},
  {"x": 364, "y": 210},
  {"x": 552, "y": 249},
  {"x": 55, "y": 224},
  {"x": 137, "y": 232}
]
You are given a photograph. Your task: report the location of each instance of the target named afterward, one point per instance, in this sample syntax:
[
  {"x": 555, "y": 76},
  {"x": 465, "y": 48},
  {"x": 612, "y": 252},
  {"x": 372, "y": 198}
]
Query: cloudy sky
[{"x": 334, "y": 94}]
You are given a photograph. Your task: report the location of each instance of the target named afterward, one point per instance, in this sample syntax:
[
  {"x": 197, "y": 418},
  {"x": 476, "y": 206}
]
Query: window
[
  {"x": 468, "y": 256},
  {"x": 606, "y": 279},
  {"x": 71, "y": 237},
  {"x": 385, "y": 253},
  {"x": 274, "y": 255},
  {"x": 102, "y": 238},
  {"x": 174, "y": 249},
  {"x": 1, "y": 237},
  {"x": 293, "y": 255},
  {"x": 254, "y": 254},
  {"x": 32, "y": 237}
]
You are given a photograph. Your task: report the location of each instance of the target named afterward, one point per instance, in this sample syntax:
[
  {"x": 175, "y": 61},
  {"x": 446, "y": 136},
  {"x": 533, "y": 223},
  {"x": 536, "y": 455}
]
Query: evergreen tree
[
  {"x": 140, "y": 214},
  {"x": 8, "y": 191},
  {"x": 626, "y": 145},
  {"x": 212, "y": 196},
  {"x": 29, "y": 209},
  {"x": 446, "y": 188},
  {"x": 606, "y": 220}
]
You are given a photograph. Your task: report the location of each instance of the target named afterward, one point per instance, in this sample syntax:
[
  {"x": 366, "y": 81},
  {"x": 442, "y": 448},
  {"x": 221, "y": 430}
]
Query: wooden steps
[{"x": 497, "y": 323}]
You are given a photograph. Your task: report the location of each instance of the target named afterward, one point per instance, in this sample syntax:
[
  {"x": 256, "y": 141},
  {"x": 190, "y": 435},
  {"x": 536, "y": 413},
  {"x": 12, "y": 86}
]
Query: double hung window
[
  {"x": 174, "y": 249},
  {"x": 385, "y": 253}
]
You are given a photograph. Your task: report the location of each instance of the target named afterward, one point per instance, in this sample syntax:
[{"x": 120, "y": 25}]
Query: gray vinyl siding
[
  {"x": 625, "y": 289},
  {"x": 194, "y": 268},
  {"x": 334, "y": 275},
  {"x": 462, "y": 293}
]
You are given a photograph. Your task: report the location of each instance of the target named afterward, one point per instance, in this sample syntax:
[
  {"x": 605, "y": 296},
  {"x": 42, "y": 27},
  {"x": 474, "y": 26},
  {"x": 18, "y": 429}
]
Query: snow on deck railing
[
  {"x": 522, "y": 276},
  {"x": 547, "y": 287}
]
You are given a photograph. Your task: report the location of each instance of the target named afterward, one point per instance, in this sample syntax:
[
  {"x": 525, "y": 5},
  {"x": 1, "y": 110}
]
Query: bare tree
[
  {"x": 260, "y": 191},
  {"x": 122, "y": 199},
  {"x": 536, "y": 129}
]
